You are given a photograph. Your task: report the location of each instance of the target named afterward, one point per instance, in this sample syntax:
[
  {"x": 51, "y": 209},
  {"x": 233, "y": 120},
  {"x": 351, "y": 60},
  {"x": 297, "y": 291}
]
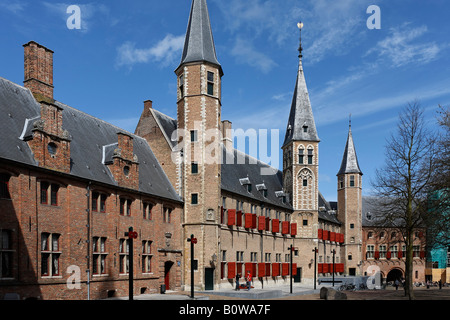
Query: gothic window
[
  {"x": 300, "y": 155},
  {"x": 6, "y": 254},
  {"x": 99, "y": 255},
  {"x": 50, "y": 254},
  {"x": 310, "y": 156},
  {"x": 49, "y": 193},
  {"x": 341, "y": 182}
]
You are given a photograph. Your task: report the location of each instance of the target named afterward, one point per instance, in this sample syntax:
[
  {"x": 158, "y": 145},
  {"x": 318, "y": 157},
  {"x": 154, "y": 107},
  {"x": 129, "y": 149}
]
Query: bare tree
[{"x": 403, "y": 183}]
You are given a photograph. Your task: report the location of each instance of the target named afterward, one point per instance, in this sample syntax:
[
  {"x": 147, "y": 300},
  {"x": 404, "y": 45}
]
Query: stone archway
[{"x": 394, "y": 274}]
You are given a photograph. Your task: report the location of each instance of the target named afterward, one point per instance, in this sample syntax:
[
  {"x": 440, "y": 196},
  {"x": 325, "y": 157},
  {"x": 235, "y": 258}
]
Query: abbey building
[{"x": 72, "y": 185}]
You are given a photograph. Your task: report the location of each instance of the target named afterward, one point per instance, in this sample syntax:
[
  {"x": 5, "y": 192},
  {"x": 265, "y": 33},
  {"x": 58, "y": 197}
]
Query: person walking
[
  {"x": 249, "y": 280},
  {"x": 238, "y": 275},
  {"x": 396, "y": 283},
  {"x": 440, "y": 284}
]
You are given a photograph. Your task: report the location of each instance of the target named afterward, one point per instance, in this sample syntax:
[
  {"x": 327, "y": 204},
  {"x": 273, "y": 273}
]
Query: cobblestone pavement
[{"x": 387, "y": 294}]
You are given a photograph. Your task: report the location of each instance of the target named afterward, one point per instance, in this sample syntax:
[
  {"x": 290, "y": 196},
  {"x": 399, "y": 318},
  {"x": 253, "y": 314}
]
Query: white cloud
[
  {"x": 165, "y": 52},
  {"x": 244, "y": 52},
  {"x": 15, "y": 7},
  {"x": 402, "y": 47}
]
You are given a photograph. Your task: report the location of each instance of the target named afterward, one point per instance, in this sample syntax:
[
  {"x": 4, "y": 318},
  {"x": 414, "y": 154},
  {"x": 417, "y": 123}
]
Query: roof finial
[
  {"x": 350, "y": 120},
  {"x": 300, "y": 49}
]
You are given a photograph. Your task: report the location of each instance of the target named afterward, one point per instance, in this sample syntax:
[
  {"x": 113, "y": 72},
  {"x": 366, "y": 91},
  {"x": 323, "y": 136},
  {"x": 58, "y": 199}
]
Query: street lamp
[
  {"x": 290, "y": 262},
  {"x": 315, "y": 250},
  {"x": 334, "y": 253}
]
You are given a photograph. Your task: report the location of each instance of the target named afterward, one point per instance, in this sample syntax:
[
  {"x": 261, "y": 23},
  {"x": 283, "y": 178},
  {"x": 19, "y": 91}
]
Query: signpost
[
  {"x": 315, "y": 250},
  {"x": 131, "y": 235}
]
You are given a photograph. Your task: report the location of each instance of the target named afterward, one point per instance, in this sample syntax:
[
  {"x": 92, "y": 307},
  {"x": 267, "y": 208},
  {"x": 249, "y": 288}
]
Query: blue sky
[{"x": 126, "y": 52}]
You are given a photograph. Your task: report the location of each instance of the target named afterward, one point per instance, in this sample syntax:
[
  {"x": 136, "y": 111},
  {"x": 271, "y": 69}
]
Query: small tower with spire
[
  {"x": 350, "y": 205},
  {"x": 301, "y": 148}
]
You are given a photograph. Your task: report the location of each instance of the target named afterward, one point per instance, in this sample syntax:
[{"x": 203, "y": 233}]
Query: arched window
[{"x": 301, "y": 154}]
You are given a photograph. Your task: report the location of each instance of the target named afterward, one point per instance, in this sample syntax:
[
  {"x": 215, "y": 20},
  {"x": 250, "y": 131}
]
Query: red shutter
[
  {"x": 248, "y": 220},
  {"x": 231, "y": 217},
  {"x": 294, "y": 269},
  {"x": 293, "y": 229},
  {"x": 333, "y": 236},
  {"x": 254, "y": 269},
  {"x": 400, "y": 254},
  {"x": 320, "y": 268},
  {"x": 261, "y": 223},
  {"x": 388, "y": 255},
  {"x": 231, "y": 270},
  {"x": 341, "y": 238},
  {"x": 285, "y": 227},
  {"x": 239, "y": 218},
  {"x": 261, "y": 269},
  {"x": 320, "y": 233},
  {"x": 422, "y": 254},
  {"x": 249, "y": 267},
  {"x": 325, "y": 268},
  {"x": 326, "y": 235},
  {"x": 253, "y": 220},
  {"x": 268, "y": 269},
  {"x": 275, "y": 225},
  {"x": 377, "y": 254},
  {"x": 275, "y": 269},
  {"x": 285, "y": 269}
]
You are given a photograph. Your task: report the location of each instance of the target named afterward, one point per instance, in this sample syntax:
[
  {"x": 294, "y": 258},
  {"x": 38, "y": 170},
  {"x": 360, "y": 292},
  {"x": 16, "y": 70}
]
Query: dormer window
[
  {"x": 305, "y": 128},
  {"x": 51, "y": 147}
]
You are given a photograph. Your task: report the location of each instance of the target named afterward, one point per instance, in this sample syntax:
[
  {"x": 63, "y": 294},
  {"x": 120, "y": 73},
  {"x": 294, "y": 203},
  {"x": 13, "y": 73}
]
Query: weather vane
[{"x": 300, "y": 49}]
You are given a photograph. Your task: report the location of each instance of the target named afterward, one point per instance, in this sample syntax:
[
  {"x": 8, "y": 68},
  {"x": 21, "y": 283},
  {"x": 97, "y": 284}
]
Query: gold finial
[{"x": 300, "y": 49}]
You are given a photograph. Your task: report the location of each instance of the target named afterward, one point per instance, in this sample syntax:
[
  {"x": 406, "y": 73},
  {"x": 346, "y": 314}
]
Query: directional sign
[{"x": 194, "y": 240}]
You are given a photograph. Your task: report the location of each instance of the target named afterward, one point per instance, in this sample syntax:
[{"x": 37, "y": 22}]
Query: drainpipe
[{"x": 88, "y": 241}]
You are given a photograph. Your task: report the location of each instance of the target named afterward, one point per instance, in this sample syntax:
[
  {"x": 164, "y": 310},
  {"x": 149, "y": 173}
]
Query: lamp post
[
  {"x": 290, "y": 265},
  {"x": 131, "y": 235},
  {"x": 334, "y": 253},
  {"x": 315, "y": 250},
  {"x": 193, "y": 241}
]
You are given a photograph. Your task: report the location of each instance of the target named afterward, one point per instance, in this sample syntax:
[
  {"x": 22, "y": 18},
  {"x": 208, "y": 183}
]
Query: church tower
[
  {"x": 350, "y": 206},
  {"x": 199, "y": 107},
  {"x": 301, "y": 157}
]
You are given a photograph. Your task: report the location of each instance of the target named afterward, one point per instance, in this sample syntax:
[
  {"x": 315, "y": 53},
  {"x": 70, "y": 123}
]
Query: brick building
[
  {"x": 384, "y": 248},
  {"x": 71, "y": 186}
]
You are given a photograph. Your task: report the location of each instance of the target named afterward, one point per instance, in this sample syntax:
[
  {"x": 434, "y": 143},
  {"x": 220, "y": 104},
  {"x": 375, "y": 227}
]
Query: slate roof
[
  {"x": 329, "y": 212},
  {"x": 301, "y": 114},
  {"x": 167, "y": 124},
  {"x": 349, "y": 162},
  {"x": 199, "y": 41},
  {"x": 239, "y": 168},
  {"x": 92, "y": 142}
]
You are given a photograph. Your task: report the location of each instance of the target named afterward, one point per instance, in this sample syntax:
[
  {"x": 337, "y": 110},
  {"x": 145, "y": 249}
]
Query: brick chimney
[
  {"x": 38, "y": 67},
  {"x": 227, "y": 136}
]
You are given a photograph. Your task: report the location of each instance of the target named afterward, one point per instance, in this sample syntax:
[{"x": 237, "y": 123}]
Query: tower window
[
  {"x": 310, "y": 156},
  {"x": 300, "y": 156},
  {"x": 352, "y": 181},
  {"x": 341, "y": 182},
  {"x": 194, "y": 198},
  {"x": 210, "y": 83},
  {"x": 182, "y": 85},
  {"x": 305, "y": 128},
  {"x": 193, "y": 135},
  {"x": 305, "y": 182},
  {"x": 194, "y": 167}
]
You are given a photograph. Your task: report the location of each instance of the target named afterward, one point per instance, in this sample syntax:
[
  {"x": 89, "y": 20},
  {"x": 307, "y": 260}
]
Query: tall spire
[
  {"x": 350, "y": 160},
  {"x": 199, "y": 41},
  {"x": 301, "y": 125}
]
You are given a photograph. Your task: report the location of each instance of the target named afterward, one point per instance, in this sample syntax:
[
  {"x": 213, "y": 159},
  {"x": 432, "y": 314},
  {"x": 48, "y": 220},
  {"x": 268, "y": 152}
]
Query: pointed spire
[
  {"x": 199, "y": 42},
  {"x": 301, "y": 125},
  {"x": 350, "y": 160}
]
